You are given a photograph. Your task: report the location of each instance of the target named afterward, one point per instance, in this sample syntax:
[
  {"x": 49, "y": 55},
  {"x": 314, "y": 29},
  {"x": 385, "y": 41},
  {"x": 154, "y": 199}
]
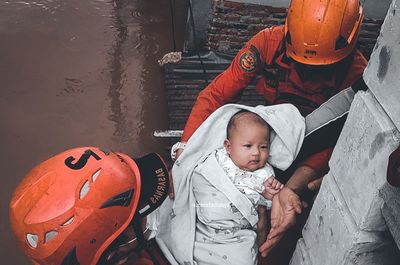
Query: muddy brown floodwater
[{"x": 78, "y": 73}]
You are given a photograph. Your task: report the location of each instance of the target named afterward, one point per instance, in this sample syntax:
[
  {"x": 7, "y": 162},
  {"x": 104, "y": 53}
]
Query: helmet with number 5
[{"x": 69, "y": 209}]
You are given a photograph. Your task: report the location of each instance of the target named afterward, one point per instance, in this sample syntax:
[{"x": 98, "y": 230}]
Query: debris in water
[{"x": 171, "y": 57}]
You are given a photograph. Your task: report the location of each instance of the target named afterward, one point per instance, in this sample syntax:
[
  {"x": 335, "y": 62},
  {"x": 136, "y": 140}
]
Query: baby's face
[{"x": 248, "y": 146}]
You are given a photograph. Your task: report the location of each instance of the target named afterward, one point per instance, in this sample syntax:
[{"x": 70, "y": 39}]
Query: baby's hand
[{"x": 272, "y": 187}]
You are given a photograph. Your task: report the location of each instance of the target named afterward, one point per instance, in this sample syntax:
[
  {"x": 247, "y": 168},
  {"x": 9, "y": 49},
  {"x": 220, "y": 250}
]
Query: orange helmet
[
  {"x": 320, "y": 32},
  {"x": 70, "y": 208}
]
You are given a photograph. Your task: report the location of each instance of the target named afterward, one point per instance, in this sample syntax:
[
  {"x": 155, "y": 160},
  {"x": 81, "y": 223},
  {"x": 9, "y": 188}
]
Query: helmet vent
[
  {"x": 122, "y": 199},
  {"x": 341, "y": 43},
  {"x": 95, "y": 175},
  {"x": 32, "y": 240},
  {"x": 84, "y": 190},
  {"x": 69, "y": 221},
  {"x": 49, "y": 236}
]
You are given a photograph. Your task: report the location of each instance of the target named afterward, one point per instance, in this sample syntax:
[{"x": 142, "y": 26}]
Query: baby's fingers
[
  {"x": 276, "y": 184},
  {"x": 270, "y": 180}
]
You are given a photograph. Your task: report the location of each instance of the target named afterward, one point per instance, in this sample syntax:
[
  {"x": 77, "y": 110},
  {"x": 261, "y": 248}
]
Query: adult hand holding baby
[{"x": 285, "y": 205}]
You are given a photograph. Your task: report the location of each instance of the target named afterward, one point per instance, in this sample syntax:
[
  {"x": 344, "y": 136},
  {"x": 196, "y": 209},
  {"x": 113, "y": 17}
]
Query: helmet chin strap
[
  {"x": 142, "y": 242},
  {"x": 133, "y": 240},
  {"x": 137, "y": 227}
]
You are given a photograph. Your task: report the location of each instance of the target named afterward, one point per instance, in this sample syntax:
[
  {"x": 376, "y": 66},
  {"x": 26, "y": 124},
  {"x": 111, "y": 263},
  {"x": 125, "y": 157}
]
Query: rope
[{"x": 171, "y": 5}]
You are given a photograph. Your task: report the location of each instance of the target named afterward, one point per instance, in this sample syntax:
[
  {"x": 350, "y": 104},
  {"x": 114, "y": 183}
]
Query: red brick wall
[{"x": 233, "y": 24}]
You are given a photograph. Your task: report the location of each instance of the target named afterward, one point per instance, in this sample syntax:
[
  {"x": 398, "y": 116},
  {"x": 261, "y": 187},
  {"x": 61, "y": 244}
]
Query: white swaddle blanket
[{"x": 177, "y": 231}]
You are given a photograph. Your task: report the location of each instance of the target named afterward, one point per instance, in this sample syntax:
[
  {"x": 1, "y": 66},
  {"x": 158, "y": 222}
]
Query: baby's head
[{"x": 247, "y": 140}]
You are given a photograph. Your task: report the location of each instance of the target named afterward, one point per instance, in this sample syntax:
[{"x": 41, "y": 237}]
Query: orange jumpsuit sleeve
[
  {"x": 319, "y": 161},
  {"x": 228, "y": 85}
]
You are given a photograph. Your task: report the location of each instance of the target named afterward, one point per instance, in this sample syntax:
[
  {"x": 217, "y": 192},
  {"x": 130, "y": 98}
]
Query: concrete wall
[
  {"x": 355, "y": 217},
  {"x": 382, "y": 75}
]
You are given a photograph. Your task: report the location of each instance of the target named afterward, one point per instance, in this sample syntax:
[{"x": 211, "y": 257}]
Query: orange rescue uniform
[{"x": 280, "y": 82}]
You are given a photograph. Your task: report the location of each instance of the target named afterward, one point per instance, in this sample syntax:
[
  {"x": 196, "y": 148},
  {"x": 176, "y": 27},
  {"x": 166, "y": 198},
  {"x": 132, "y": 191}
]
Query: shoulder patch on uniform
[{"x": 248, "y": 61}]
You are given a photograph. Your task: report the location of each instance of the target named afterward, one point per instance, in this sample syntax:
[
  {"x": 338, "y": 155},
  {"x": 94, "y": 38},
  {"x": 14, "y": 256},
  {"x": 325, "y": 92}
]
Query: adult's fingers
[
  {"x": 178, "y": 153},
  {"x": 273, "y": 232},
  {"x": 268, "y": 245},
  {"x": 297, "y": 205},
  {"x": 294, "y": 202},
  {"x": 315, "y": 184},
  {"x": 274, "y": 182}
]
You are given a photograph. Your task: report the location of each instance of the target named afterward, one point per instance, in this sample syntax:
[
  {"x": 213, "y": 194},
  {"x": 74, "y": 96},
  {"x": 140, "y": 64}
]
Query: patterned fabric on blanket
[
  {"x": 250, "y": 183},
  {"x": 224, "y": 235}
]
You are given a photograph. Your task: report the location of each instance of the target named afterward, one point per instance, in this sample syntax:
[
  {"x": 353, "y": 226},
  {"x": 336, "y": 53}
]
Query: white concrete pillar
[
  {"x": 383, "y": 72},
  {"x": 356, "y": 215},
  {"x": 345, "y": 225}
]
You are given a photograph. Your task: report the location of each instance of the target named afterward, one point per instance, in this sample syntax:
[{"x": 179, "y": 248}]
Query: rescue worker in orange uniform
[
  {"x": 305, "y": 62},
  {"x": 88, "y": 206}
]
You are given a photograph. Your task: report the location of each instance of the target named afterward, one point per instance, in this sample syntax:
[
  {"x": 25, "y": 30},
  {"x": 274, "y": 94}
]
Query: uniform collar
[{"x": 287, "y": 63}]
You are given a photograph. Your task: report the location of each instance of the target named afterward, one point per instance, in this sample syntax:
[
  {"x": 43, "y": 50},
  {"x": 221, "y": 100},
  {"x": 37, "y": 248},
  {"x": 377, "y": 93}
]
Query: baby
[
  {"x": 244, "y": 158},
  {"x": 226, "y": 213}
]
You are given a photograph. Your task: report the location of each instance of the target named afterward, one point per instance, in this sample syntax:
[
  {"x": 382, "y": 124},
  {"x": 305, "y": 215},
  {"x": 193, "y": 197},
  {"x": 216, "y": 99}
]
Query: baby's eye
[
  {"x": 247, "y": 145},
  {"x": 264, "y": 147}
]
